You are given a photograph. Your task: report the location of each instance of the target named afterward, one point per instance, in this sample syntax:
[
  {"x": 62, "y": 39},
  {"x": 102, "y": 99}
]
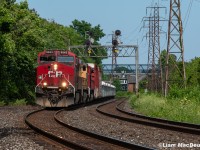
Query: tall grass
[
  {"x": 183, "y": 110},
  {"x": 123, "y": 94}
]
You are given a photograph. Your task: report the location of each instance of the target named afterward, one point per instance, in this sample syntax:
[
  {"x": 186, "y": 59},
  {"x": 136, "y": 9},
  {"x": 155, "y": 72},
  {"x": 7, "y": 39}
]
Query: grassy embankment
[{"x": 176, "y": 109}]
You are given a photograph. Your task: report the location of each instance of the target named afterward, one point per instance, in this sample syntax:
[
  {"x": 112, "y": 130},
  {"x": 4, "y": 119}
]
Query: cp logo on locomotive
[{"x": 54, "y": 74}]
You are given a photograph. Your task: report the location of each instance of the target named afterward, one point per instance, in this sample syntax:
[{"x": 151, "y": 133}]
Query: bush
[
  {"x": 183, "y": 110},
  {"x": 124, "y": 94},
  {"x": 2, "y": 103},
  {"x": 18, "y": 102},
  {"x": 189, "y": 93}
]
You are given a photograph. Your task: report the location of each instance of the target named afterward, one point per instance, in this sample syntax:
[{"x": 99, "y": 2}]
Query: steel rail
[
  {"x": 101, "y": 137},
  {"x": 59, "y": 140},
  {"x": 183, "y": 124},
  {"x": 155, "y": 122}
]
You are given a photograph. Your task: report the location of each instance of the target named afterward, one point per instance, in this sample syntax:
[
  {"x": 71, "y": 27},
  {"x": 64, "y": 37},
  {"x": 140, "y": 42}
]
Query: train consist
[{"x": 63, "y": 79}]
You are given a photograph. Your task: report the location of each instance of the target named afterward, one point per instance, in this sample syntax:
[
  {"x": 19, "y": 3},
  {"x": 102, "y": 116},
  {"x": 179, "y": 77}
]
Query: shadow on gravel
[
  {"x": 90, "y": 103},
  {"x": 4, "y": 132}
]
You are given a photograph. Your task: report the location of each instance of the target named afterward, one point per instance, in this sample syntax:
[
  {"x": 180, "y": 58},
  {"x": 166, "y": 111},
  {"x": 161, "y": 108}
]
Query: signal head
[
  {"x": 87, "y": 42},
  {"x": 115, "y": 42},
  {"x": 117, "y": 32}
]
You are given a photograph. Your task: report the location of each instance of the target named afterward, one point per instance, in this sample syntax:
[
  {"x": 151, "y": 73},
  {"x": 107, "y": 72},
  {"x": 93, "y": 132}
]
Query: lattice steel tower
[
  {"x": 175, "y": 66},
  {"x": 155, "y": 75}
]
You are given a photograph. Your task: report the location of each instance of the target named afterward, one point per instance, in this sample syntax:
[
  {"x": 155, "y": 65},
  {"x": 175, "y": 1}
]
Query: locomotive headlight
[
  {"x": 55, "y": 66},
  {"x": 64, "y": 84},
  {"x": 45, "y": 84}
]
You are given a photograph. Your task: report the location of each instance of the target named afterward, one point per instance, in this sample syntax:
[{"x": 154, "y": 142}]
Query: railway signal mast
[
  {"x": 89, "y": 42},
  {"x": 175, "y": 48},
  {"x": 115, "y": 50}
]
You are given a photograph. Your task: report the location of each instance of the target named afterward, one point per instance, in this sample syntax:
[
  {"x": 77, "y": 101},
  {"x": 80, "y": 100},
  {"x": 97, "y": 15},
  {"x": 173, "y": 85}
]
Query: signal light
[
  {"x": 115, "y": 50},
  {"x": 115, "y": 42},
  {"x": 89, "y": 51},
  {"x": 90, "y": 33},
  {"x": 88, "y": 42},
  {"x": 117, "y": 32}
]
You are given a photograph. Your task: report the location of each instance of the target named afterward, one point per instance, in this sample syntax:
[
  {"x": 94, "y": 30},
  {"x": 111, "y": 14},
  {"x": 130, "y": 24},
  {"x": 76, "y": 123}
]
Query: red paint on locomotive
[{"x": 63, "y": 79}]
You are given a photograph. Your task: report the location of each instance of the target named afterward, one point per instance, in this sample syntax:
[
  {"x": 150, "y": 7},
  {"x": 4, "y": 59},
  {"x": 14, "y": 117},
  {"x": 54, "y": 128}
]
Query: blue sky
[{"x": 125, "y": 15}]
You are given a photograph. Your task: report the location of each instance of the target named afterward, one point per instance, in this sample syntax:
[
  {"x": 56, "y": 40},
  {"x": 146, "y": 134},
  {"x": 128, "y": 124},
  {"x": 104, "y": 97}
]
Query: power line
[{"x": 188, "y": 14}]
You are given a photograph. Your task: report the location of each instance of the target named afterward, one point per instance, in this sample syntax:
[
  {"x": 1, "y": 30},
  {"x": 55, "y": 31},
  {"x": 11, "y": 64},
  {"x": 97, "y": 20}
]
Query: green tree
[
  {"x": 163, "y": 56},
  {"x": 82, "y": 27},
  {"x": 22, "y": 35},
  {"x": 117, "y": 84},
  {"x": 193, "y": 72}
]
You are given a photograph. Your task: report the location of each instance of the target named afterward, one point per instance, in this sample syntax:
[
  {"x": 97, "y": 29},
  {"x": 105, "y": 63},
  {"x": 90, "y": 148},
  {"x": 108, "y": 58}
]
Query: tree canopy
[
  {"x": 23, "y": 33},
  {"x": 84, "y": 28}
]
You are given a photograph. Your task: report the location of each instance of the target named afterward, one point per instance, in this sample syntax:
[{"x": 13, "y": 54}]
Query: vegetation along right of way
[
  {"x": 181, "y": 104},
  {"x": 23, "y": 33}
]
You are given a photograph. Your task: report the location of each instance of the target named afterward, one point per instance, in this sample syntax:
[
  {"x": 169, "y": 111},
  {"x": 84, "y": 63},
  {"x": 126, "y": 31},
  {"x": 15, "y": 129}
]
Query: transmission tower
[
  {"x": 175, "y": 49},
  {"x": 155, "y": 75}
]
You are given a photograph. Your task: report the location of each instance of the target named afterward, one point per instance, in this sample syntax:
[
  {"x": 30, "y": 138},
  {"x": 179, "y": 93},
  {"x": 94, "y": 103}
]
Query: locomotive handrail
[
  {"x": 69, "y": 83},
  {"x": 89, "y": 91},
  {"x": 40, "y": 82}
]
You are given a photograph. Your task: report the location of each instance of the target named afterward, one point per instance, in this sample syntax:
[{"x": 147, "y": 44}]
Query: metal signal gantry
[{"x": 123, "y": 51}]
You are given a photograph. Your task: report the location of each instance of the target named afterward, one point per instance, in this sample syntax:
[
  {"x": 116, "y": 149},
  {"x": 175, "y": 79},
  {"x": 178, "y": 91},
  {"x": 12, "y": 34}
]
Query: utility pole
[
  {"x": 155, "y": 74},
  {"x": 175, "y": 49}
]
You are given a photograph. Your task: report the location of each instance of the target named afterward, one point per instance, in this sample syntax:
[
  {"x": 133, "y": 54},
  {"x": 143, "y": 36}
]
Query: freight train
[{"x": 64, "y": 79}]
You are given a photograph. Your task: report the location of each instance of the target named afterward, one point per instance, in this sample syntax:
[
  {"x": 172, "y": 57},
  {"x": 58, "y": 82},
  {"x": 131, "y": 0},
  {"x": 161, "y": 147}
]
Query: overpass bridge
[{"x": 125, "y": 68}]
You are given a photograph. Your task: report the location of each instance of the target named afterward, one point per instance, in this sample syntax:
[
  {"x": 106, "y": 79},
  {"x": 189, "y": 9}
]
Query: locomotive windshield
[
  {"x": 66, "y": 59},
  {"x": 48, "y": 58},
  {"x": 69, "y": 60}
]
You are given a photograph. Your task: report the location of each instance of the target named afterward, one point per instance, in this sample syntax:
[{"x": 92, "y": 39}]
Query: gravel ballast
[
  {"x": 88, "y": 119},
  {"x": 14, "y": 134}
]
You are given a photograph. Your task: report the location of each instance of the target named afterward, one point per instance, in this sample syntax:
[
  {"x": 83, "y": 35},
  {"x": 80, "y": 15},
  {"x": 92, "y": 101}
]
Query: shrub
[
  {"x": 124, "y": 94},
  {"x": 2, "y": 103},
  {"x": 18, "y": 102},
  {"x": 179, "y": 109}
]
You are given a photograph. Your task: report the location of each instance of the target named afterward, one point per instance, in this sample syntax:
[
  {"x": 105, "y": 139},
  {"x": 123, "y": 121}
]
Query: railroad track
[
  {"x": 49, "y": 124},
  {"x": 114, "y": 109}
]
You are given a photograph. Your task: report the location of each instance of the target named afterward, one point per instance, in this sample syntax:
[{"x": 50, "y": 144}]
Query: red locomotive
[{"x": 63, "y": 79}]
